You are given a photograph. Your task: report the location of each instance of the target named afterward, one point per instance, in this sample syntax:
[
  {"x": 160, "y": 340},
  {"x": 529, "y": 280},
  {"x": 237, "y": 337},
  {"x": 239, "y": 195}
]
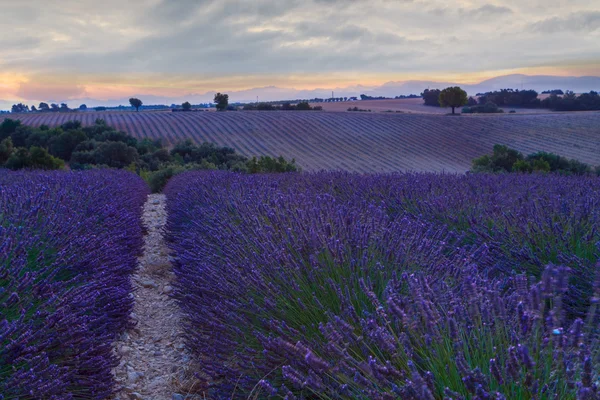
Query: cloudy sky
[{"x": 108, "y": 49}]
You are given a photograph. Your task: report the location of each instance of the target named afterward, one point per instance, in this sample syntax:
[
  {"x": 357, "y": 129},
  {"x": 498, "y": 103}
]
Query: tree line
[
  {"x": 490, "y": 102},
  {"x": 102, "y": 146}
]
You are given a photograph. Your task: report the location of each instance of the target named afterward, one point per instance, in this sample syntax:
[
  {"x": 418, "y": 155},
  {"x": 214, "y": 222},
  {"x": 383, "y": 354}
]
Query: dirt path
[{"x": 153, "y": 358}]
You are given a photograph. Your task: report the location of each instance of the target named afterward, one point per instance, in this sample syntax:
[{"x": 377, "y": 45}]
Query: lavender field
[
  {"x": 405, "y": 286},
  {"x": 68, "y": 245}
]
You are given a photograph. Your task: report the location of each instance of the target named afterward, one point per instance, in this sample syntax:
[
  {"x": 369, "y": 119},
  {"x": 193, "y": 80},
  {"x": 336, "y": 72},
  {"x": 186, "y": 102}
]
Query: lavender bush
[
  {"x": 68, "y": 244},
  {"x": 413, "y": 286}
]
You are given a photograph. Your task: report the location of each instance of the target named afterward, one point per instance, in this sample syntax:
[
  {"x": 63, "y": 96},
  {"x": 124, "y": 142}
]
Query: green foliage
[
  {"x": 222, "y": 101},
  {"x": 431, "y": 97},
  {"x": 19, "y": 136},
  {"x": 511, "y": 98},
  {"x": 268, "y": 164},
  {"x": 41, "y": 159},
  {"x": 571, "y": 102},
  {"x": 34, "y": 157},
  {"x": 453, "y": 97},
  {"x": 501, "y": 160},
  {"x": 504, "y": 159},
  {"x": 186, "y": 106},
  {"x": 62, "y": 146},
  {"x": 115, "y": 154},
  {"x": 521, "y": 166},
  {"x": 157, "y": 180},
  {"x": 303, "y": 106},
  {"x": 135, "y": 103},
  {"x": 6, "y": 150},
  {"x": 7, "y": 127},
  {"x": 100, "y": 145},
  {"x": 488, "y": 108},
  {"x": 540, "y": 165}
]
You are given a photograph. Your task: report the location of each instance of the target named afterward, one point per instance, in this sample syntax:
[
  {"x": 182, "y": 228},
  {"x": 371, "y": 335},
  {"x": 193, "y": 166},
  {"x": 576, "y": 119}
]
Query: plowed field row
[{"x": 361, "y": 142}]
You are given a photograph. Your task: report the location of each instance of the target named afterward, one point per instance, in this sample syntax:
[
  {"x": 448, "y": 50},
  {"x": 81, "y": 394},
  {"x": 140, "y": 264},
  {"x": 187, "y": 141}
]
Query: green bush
[
  {"x": 157, "y": 180},
  {"x": 488, "y": 108},
  {"x": 34, "y": 157},
  {"x": 6, "y": 150},
  {"x": 504, "y": 159},
  {"x": 522, "y": 166},
  {"x": 268, "y": 164},
  {"x": 100, "y": 145},
  {"x": 115, "y": 154}
]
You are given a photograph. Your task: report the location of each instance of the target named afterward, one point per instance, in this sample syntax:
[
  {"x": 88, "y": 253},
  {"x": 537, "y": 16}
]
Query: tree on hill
[
  {"x": 222, "y": 101},
  {"x": 453, "y": 97},
  {"x": 136, "y": 103},
  {"x": 19, "y": 108},
  {"x": 44, "y": 107},
  {"x": 64, "y": 107},
  {"x": 83, "y": 107},
  {"x": 303, "y": 106},
  {"x": 54, "y": 107},
  {"x": 431, "y": 97},
  {"x": 186, "y": 106}
]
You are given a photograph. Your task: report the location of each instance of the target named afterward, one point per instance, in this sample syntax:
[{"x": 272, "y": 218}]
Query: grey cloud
[
  {"x": 490, "y": 9},
  {"x": 575, "y": 22},
  {"x": 200, "y": 39}
]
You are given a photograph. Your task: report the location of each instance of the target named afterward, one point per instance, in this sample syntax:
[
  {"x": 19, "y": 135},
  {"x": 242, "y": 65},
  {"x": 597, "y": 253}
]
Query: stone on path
[{"x": 153, "y": 355}]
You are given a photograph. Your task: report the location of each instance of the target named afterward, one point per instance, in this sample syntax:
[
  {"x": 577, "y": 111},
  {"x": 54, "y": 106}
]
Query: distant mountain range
[{"x": 389, "y": 89}]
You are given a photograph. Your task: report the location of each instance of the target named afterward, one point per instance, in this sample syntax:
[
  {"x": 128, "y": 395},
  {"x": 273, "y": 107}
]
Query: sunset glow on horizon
[{"x": 168, "y": 49}]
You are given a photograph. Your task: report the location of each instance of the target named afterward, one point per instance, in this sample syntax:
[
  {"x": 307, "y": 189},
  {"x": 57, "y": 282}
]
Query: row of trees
[
  {"x": 301, "y": 106},
  {"x": 571, "y": 102},
  {"x": 511, "y": 98},
  {"x": 44, "y": 107}
]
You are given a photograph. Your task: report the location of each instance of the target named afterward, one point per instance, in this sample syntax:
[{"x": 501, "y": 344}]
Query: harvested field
[{"x": 361, "y": 142}]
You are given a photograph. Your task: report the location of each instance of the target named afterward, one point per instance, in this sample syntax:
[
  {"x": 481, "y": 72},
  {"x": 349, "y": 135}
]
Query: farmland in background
[
  {"x": 411, "y": 106},
  {"x": 360, "y": 142}
]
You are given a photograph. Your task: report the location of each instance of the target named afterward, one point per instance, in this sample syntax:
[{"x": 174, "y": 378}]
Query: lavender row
[
  {"x": 388, "y": 286},
  {"x": 68, "y": 245}
]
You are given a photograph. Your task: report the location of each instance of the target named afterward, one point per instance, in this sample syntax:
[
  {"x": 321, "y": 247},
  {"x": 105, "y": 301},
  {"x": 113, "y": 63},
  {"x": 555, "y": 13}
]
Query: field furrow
[{"x": 360, "y": 142}]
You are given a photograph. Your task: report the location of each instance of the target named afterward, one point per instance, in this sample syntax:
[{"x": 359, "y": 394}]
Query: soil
[{"x": 154, "y": 362}]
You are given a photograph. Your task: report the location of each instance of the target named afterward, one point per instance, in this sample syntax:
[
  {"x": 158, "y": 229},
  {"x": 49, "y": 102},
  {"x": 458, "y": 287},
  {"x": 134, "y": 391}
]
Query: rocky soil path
[{"x": 153, "y": 357}]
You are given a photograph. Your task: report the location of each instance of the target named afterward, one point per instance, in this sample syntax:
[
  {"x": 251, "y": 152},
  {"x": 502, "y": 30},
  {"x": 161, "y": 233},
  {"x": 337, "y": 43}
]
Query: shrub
[
  {"x": 115, "y": 154},
  {"x": 35, "y": 157},
  {"x": 488, "y": 108},
  {"x": 157, "y": 180},
  {"x": 268, "y": 164},
  {"x": 6, "y": 150},
  {"x": 303, "y": 106},
  {"x": 504, "y": 159}
]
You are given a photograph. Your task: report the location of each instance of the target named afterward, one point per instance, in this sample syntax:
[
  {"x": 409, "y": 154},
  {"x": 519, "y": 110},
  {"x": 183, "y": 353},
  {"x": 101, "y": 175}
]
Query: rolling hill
[{"x": 360, "y": 142}]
